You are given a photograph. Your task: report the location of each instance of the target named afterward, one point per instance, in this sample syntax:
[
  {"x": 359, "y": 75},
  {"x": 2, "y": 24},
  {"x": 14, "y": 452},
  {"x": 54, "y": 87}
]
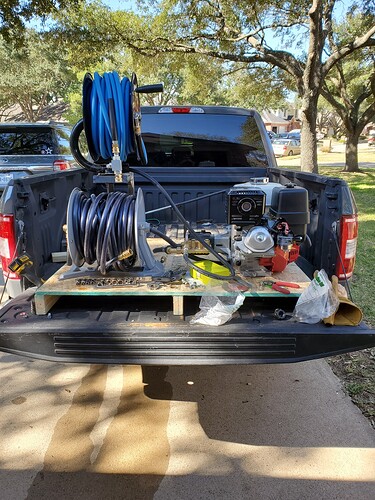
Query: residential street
[{"x": 262, "y": 432}]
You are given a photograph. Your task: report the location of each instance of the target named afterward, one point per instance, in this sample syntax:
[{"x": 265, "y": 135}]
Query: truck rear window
[
  {"x": 202, "y": 140},
  {"x": 24, "y": 141}
]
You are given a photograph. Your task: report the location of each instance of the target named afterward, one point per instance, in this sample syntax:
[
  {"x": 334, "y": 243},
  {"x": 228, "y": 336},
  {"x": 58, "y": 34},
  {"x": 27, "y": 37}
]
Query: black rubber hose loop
[
  {"x": 76, "y": 152},
  {"x": 104, "y": 229},
  {"x": 197, "y": 236}
]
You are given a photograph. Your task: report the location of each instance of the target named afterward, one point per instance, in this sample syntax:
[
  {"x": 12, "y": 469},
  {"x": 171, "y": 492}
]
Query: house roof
[{"x": 269, "y": 117}]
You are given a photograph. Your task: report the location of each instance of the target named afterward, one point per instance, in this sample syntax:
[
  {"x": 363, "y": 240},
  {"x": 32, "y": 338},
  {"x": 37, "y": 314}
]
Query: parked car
[
  {"x": 288, "y": 135},
  {"x": 283, "y": 135},
  {"x": 286, "y": 147},
  {"x": 271, "y": 135},
  {"x": 371, "y": 140},
  {"x": 294, "y": 134},
  {"x": 33, "y": 148}
]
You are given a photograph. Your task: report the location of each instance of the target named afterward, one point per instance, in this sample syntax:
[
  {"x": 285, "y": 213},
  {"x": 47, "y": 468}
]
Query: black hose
[
  {"x": 196, "y": 235},
  {"x": 76, "y": 152},
  {"x": 181, "y": 203},
  {"x": 104, "y": 231},
  {"x": 163, "y": 236}
]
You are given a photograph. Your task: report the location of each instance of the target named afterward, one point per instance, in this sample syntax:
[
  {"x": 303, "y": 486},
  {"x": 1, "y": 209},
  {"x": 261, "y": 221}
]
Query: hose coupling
[
  {"x": 125, "y": 254},
  {"x": 116, "y": 163}
]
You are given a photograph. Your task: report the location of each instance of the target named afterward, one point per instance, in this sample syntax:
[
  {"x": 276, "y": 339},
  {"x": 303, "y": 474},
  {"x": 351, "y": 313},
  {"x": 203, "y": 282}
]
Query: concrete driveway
[{"x": 249, "y": 432}]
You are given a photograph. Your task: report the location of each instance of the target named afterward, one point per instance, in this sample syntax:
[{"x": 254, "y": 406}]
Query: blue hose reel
[{"x": 111, "y": 120}]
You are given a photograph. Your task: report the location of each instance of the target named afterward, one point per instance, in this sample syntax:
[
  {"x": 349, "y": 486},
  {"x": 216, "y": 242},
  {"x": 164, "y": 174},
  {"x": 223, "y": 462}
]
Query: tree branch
[
  {"x": 340, "y": 108},
  {"x": 363, "y": 41},
  {"x": 280, "y": 58},
  {"x": 367, "y": 116}
]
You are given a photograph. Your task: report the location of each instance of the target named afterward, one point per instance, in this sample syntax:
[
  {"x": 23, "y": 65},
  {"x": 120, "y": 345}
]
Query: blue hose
[{"x": 104, "y": 88}]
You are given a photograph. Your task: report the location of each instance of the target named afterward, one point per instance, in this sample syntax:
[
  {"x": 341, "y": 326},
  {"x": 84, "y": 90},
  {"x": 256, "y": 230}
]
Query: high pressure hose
[
  {"x": 191, "y": 230},
  {"x": 103, "y": 231},
  {"x": 111, "y": 120},
  {"x": 110, "y": 115}
]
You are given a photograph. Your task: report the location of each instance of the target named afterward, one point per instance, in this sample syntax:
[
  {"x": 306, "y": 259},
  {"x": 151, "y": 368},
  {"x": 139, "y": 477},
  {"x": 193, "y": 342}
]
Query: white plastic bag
[
  {"x": 216, "y": 311},
  {"x": 317, "y": 301}
]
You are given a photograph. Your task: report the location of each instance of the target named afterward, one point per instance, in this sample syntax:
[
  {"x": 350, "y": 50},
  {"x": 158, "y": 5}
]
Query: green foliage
[
  {"x": 259, "y": 88},
  {"x": 14, "y": 14},
  {"x": 351, "y": 82},
  {"x": 294, "y": 38},
  {"x": 358, "y": 19},
  {"x": 124, "y": 41},
  {"x": 350, "y": 86},
  {"x": 34, "y": 75}
]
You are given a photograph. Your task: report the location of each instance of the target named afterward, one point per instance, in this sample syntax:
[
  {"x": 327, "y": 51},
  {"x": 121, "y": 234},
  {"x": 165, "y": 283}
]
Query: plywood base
[{"x": 48, "y": 294}]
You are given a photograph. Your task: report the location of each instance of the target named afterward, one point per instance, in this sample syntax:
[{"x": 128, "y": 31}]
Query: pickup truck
[
  {"x": 32, "y": 148},
  {"x": 217, "y": 165}
]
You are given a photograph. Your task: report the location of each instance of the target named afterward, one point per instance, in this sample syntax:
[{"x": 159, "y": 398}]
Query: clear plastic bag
[
  {"x": 317, "y": 301},
  {"x": 216, "y": 311}
]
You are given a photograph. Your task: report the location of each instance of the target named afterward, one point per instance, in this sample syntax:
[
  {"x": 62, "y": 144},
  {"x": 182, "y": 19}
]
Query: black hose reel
[{"x": 110, "y": 231}]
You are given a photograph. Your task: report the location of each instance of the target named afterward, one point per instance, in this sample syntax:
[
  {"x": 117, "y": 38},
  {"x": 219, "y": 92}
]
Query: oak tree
[{"x": 244, "y": 31}]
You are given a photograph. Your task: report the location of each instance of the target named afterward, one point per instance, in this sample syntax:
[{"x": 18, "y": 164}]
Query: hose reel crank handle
[{"x": 155, "y": 88}]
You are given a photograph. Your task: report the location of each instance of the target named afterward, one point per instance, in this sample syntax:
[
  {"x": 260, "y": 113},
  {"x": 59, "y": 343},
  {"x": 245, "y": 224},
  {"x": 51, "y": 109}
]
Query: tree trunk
[
  {"x": 309, "y": 157},
  {"x": 351, "y": 151}
]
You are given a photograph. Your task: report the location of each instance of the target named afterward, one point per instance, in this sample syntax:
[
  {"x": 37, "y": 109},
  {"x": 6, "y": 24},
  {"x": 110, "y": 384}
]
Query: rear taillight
[
  {"x": 181, "y": 110},
  {"x": 348, "y": 245},
  {"x": 61, "y": 165},
  {"x": 8, "y": 244}
]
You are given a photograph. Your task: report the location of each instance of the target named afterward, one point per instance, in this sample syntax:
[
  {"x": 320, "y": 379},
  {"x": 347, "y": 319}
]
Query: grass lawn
[{"x": 366, "y": 156}]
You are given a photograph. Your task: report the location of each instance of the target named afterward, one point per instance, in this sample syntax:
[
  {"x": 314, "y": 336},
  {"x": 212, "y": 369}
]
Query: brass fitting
[{"x": 125, "y": 254}]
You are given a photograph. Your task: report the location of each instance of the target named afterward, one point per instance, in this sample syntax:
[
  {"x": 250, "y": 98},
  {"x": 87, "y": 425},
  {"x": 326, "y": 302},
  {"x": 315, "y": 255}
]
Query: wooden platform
[{"x": 50, "y": 292}]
